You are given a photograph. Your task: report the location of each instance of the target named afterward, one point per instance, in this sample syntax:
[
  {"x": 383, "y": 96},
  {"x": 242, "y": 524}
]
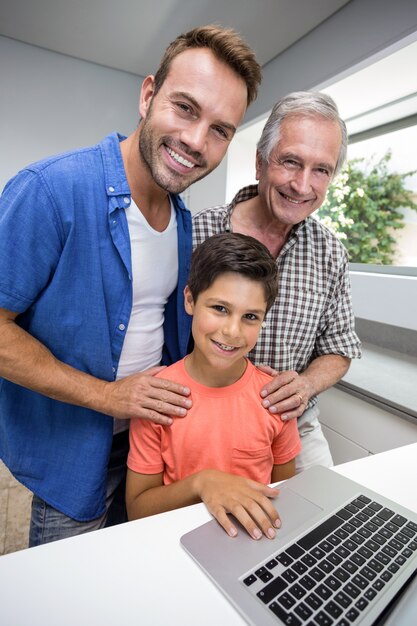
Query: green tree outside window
[{"x": 362, "y": 208}]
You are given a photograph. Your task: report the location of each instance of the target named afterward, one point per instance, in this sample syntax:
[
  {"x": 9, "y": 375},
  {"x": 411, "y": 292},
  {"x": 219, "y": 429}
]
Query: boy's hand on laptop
[{"x": 248, "y": 500}]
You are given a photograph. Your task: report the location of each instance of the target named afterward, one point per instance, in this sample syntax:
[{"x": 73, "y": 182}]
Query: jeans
[
  {"x": 47, "y": 524},
  {"x": 315, "y": 449}
]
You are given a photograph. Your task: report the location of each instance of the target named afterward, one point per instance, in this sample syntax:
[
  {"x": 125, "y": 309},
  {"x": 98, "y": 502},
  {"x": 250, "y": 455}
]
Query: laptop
[{"x": 344, "y": 555}]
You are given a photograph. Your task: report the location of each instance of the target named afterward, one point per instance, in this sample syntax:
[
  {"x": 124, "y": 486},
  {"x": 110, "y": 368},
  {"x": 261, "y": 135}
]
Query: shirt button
[
  {"x": 111, "y": 189},
  {"x": 113, "y": 369},
  {"x": 122, "y": 326},
  {"x": 126, "y": 200}
]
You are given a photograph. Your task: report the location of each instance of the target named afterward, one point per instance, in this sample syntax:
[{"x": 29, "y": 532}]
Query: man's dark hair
[
  {"x": 226, "y": 44},
  {"x": 233, "y": 252}
]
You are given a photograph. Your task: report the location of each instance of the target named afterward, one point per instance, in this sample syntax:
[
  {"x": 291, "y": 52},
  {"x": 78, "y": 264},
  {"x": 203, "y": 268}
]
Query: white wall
[
  {"x": 209, "y": 191},
  {"x": 389, "y": 299},
  {"x": 355, "y": 428},
  {"x": 51, "y": 103},
  {"x": 241, "y": 164}
]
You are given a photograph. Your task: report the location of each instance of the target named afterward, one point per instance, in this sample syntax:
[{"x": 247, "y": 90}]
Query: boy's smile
[{"x": 227, "y": 318}]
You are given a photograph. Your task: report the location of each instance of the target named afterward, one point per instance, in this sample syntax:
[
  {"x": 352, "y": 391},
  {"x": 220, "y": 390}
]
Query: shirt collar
[
  {"x": 114, "y": 172},
  {"x": 115, "y": 179}
]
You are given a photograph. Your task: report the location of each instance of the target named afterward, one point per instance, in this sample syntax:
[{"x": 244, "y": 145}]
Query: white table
[{"x": 137, "y": 573}]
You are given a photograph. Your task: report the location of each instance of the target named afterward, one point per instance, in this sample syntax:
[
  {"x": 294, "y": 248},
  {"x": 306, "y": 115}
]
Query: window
[
  {"x": 379, "y": 105},
  {"x": 401, "y": 144}
]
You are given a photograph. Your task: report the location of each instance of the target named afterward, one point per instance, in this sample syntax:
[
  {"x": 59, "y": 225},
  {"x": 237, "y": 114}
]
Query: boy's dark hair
[
  {"x": 226, "y": 44},
  {"x": 233, "y": 252}
]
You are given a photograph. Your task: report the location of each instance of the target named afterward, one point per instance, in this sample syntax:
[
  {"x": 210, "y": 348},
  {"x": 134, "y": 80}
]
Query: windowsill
[{"x": 385, "y": 378}]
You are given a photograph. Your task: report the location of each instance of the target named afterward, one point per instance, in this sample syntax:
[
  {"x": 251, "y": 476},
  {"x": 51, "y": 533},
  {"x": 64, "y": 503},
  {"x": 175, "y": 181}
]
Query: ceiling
[
  {"x": 388, "y": 92},
  {"x": 131, "y": 35}
]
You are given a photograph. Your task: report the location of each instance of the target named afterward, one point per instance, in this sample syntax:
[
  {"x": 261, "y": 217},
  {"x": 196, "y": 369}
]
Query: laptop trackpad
[
  {"x": 294, "y": 509},
  {"x": 210, "y": 545}
]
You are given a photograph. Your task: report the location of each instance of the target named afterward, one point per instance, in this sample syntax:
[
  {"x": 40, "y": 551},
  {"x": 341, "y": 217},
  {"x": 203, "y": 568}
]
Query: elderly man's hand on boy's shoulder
[
  {"x": 248, "y": 500},
  {"x": 287, "y": 394}
]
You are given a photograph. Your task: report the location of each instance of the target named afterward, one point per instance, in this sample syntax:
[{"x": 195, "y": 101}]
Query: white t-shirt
[{"x": 154, "y": 277}]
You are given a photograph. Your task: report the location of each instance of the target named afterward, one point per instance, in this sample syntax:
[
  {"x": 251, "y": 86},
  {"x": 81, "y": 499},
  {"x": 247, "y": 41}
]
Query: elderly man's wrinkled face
[{"x": 293, "y": 184}]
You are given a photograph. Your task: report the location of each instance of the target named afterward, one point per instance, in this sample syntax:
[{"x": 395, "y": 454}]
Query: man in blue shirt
[{"x": 94, "y": 254}]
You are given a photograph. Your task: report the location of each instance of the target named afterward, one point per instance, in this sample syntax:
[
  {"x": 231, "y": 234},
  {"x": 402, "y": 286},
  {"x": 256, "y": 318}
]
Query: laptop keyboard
[{"x": 332, "y": 574}]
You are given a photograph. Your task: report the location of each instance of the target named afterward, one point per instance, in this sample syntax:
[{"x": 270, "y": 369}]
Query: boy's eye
[
  {"x": 252, "y": 317},
  {"x": 219, "y": 307}
]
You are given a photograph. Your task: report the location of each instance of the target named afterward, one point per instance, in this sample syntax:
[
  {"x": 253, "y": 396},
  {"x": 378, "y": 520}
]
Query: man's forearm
[
  {"x": 27, "y": 362},
  {"x": 324, "y": 372}
]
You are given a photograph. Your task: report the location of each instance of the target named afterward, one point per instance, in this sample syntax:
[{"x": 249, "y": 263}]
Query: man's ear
[
  {"x": 258, "y": 165},
  {"x": 146, "y": 94},
  {"x": 188, "y": 301}
]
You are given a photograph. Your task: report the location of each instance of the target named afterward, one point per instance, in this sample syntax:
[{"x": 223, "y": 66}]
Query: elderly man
[{"x": 309, "y": 338}]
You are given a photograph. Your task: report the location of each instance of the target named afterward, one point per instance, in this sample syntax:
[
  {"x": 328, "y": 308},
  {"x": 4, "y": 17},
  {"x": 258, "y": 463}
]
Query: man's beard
[{"x": 169, "y": 180}]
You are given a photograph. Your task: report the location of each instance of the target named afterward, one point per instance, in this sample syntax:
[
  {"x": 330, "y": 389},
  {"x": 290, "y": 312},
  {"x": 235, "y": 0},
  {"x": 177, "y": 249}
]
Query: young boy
[{"x": 228, "y": 448}]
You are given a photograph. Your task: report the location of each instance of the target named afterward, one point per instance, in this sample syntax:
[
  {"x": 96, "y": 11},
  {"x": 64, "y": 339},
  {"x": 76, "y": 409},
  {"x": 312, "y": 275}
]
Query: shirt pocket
[
  {"x": 305, "y": 306},
  {"x": 305, "y": 320},
  {"x": 256, "y": 463}
]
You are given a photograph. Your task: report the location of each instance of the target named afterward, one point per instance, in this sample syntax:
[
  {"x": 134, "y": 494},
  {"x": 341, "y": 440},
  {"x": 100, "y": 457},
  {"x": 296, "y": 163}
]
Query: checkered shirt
[{"x": 312, "y": 314}]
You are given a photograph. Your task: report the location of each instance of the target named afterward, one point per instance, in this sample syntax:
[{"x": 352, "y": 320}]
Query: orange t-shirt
[{"x": 227, "y": 429}]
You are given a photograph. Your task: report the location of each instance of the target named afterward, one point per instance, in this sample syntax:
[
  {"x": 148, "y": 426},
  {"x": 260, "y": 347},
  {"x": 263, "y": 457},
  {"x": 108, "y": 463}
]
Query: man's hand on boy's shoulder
[
  {"x": 248, "y": 500},
  {"x": 286, "y": 395},
  {"x": 146, "y": 396}
]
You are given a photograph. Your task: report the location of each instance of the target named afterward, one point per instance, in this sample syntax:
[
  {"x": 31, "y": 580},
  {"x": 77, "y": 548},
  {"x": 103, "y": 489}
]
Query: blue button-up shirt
[{"x": 65, "y": 267}]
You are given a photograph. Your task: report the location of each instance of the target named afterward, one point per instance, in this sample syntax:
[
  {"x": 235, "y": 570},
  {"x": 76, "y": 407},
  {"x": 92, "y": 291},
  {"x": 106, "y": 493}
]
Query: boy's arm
[
  {"x": 222, "y": 493},
  {"x": 146, "y": 494},
  {"x": 282, "y": 472}
]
